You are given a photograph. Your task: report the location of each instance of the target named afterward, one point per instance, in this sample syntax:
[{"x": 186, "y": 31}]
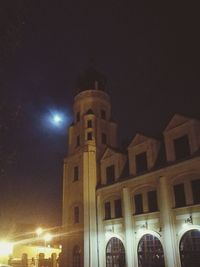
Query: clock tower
[{"x": 90, "y": 133}]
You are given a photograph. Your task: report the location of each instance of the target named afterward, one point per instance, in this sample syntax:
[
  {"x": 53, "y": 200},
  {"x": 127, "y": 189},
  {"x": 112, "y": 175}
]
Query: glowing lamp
[
  {"x": 6, "y": 248},
  {"x": 48, "y": 237},
  {"x": 39, "y": 231}
]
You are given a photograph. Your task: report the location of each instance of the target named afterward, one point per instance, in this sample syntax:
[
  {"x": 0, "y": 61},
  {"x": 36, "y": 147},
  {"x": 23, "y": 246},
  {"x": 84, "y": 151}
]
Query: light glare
[{"x": 6, "y": 248}]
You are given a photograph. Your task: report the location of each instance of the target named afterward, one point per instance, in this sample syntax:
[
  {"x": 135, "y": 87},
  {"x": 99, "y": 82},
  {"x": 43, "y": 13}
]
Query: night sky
[{"x": 149, "y": 53}]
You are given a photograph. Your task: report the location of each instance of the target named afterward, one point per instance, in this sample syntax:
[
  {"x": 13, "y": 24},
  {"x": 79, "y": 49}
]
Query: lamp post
[{"x": 47, "y": 238}]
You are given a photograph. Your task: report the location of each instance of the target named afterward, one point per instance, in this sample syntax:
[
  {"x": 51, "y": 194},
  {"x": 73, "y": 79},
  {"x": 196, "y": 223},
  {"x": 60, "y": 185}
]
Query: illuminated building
[{"x": 138, "y": 207}]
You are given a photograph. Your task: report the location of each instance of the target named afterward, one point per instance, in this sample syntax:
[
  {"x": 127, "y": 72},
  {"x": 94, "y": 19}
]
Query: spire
[{"x": 91, "y": 79}]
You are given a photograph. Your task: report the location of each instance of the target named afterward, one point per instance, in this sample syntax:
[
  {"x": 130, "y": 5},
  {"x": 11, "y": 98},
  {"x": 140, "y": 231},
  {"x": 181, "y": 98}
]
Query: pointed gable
[
  {"x": 112, "y": 151},
  {"x": 108, "y": 153},
  {"x": 177, "y": 120},
  {"x": 139, "y": 139}
]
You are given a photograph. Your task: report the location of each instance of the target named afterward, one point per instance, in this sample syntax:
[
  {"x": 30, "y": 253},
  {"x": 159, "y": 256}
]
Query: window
[
  {"x": 76, "y": 256},
  {"x": 138, "y": 204},
  {"x": 89, "y": 136},
  {"x": 196, "y": 191},
  {"x": 104, "y": 138},
  {"x": 189, "y": 249},
  {"x": 89, "y": 124},
  {"x": 179, "y": 194},
  {"x": 103, "y": 114},
  {"x": 76, "y": 173},
  {"x": 107, "y": 211},
  {"x": 141, "y": 162},
  {"x": 78, "y": 140},
  {"x": 76, "y": 214},
  {"x": 115, "y": 253},
  {"x": 110, "y": 174},
  {"x": 152, "y": 201},
  {"x": 78, "y": 116},
  {"x": 182, "y": 148},
  {"x": 118, "y": 208},
  {"x": 150, "y": 252}
]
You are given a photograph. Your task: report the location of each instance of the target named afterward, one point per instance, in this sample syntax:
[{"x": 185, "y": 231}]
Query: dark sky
[{"x": 149, "y": 53}]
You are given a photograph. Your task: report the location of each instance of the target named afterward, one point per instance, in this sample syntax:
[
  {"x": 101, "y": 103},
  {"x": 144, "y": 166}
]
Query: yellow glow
[
  {"x": 48, "y": 237},
  {"x": 6, "y": 248},
  {"x": 39, "y": 231}
]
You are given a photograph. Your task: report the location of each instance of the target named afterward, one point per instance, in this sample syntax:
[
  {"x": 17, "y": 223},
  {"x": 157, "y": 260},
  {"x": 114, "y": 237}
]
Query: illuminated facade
[{"x": 139, "y": 207}]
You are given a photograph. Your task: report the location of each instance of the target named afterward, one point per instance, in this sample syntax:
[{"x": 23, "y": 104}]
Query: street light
[
  {"x": 6, "y": 248},
  {"x": 39, "y": 231},
  {"x": 47, "y": 238}
]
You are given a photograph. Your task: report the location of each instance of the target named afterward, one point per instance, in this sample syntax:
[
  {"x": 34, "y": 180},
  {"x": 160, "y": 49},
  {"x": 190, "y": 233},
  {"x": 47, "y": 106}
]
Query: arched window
[
  {"x": 115, "y": 253},
  {"x": 76, "y": 257},
  {"x": 190, "y": 249},
  {"x": 150, "y": 252}
]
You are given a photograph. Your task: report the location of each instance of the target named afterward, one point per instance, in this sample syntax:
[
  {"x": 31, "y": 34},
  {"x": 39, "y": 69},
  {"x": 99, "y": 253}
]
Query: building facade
[{"x": 135, "y": 208}]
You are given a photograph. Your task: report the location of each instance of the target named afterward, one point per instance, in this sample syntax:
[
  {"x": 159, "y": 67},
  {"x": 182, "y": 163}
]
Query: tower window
[
  {"x": 138, "y": 204},
  {"x": 76, "y": 173},
  {"x": 103, "y": 114},
  {"x": 181, "y": 147},
  {"x": 89, "y": 136},
  {"x": 196, "y": 191},
  {"x": 118, "y": 208},
  {"x": 78, "y": 116},
  {"x": 141, "y": 162},
  {"x": 78, "y": 140},
  {"x": 179, "y": 194},
  {"x": 110, "y": 174},
  {"x": 76, "y": 214},
  {"x": 104, "y": 138},
  {"x": 107, "y": 211},
  {"x": 89, "y": 124},
  {"x": 152, "y": 201}
]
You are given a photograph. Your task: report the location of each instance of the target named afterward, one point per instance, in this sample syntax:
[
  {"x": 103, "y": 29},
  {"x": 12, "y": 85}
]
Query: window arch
[
  {"x": 189, "y": 249},
  {"x": 150, "y": 252},
  {"x": 115, "y": 253},
  {"x": 76, "y": 256}
]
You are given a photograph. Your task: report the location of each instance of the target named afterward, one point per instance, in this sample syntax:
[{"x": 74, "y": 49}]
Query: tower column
[
  {"x": 167, "y": 224},
  {"x": 128, "y": 228},
  {"x": 101, "y": 237},
  {"x": 89, "y": 200}
]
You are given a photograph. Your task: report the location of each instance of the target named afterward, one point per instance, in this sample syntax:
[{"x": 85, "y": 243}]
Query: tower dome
[{"x": 91, "y": 79}]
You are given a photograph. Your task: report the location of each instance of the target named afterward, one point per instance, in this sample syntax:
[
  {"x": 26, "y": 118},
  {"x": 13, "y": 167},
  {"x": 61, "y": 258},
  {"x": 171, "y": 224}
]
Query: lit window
[
  {"x": 76, "y": 214},
  {"x": 107, "y": 211},
  {"x": 138, "y": 204},
  {"x": 110, "y": 174},
  {"x": 179, "y": 194},
  {"x": 141, "y": 162},
  {"x": 89, "y": 124}
]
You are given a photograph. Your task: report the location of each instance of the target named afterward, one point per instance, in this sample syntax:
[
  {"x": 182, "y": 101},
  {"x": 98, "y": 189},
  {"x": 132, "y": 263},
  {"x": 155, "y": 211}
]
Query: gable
[
  {"x": 108, "y": 153},
  {"x": 111, "y": 151},
  {"x": 139, "y": 139},
  {"x": 176, "y": 121}
]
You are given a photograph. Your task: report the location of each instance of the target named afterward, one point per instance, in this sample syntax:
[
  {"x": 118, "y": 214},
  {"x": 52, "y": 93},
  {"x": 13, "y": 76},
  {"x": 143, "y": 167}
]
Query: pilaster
[
  {"x": 128, "y": 228},
  {"x": 167, "y": 224}
]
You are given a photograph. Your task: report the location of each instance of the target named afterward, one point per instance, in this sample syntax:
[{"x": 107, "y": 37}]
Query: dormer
[
  {"x": 112, "y": 165},
  {"x": 182, "y": 137},
  {"x": 142, "y": 154}
]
